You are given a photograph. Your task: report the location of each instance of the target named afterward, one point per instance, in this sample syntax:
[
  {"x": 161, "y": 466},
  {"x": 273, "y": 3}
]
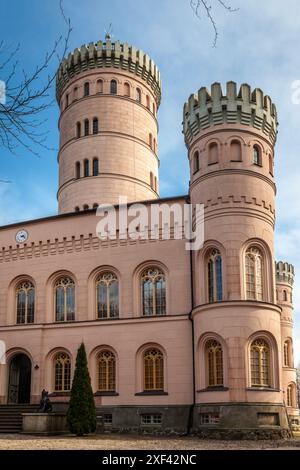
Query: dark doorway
[{"x": 19, "y": 383}]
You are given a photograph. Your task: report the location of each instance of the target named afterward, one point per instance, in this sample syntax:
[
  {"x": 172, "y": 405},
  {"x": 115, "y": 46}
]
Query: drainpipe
[{"x": 192, "y": 407}]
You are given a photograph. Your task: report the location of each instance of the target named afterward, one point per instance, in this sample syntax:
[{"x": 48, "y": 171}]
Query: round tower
[
  {"x": 108, "y": 94},
  {"x": 230, "y": 138}
]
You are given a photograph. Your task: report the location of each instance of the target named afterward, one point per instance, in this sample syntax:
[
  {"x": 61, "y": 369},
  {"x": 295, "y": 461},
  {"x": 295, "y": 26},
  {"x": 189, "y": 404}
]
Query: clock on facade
[{"x": 21, "y": 236}]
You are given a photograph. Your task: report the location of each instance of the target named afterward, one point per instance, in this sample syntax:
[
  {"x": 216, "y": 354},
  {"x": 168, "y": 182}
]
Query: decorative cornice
[
  {"x": 109, "y": 54},
  {"x": 208, "y": 109},
  {"x": 284, "y": 273}
]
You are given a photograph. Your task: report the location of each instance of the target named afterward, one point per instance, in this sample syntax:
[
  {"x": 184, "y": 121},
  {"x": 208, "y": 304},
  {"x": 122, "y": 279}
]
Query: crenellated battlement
[
  {"x": 109, "y": 54},
  {"x": 284, "y": 273},
  {"x": 251, "y": 108}
]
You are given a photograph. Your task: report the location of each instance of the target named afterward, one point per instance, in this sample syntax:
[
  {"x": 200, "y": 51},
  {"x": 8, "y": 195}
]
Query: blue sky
[{"x": 258, "y": 45}]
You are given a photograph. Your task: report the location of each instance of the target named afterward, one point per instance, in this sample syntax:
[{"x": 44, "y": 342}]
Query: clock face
[{"x": 21, "y": 236}]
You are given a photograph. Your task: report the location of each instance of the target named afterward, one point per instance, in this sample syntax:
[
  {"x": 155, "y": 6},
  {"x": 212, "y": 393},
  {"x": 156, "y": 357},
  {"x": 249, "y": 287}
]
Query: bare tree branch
[{"x": 203, "y": 5}]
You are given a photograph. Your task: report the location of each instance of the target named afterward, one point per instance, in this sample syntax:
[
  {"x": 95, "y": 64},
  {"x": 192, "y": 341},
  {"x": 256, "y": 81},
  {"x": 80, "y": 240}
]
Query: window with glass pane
[
  {"x": 107, "y": 287},
  {"x": 113, "y": 87},
  {"x": 256, "y": 155},
  {"x": 138, "y": 95},
  {"x": 289, "y": 395},
  {"x": 77, "y": 170},
  {"x": 214, "y": 361},
  {"x": 86, "y": 127},
  {"x": 287, "y": 353},
  {"x": 62, "y": 373},
  {"x": 95, "y": 167},
  {"x": 78, "y": 130},
  {"x": 86, "y": 89},
  {"x": 254, "y": 274},
  {"x": 153, "y": 370},
  {"x": 106, "y": 371},
  {"x": 260, "y": 363},
  {"x": 214, "y": 275},
  {"x": 86, "y": 168},
  {"x": 153, "y": 288},
  {"x": 95, "y": 126},
  {"x": 25, "y": 294},
  {"x": 65, "y": 299}
]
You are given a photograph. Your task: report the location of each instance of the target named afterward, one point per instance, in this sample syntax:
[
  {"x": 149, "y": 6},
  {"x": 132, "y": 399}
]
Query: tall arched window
[
  {"x": 287, "y": 353},
  {"x": 196, "y": 162},
  {"x": 127, "y": 89},
  {"x": 285, "y": 297},
  {"x": 95, "y": 126},
  {"x": 271, "y": 166},
  {"x": 78, "y": 130},
  {"x": 213, "y": 153},
  {"x": 106, "y": 372},
  {"x": 256, "y": 155},
  {"x": 153, "y": 285},
  {"x": 95, "y": 167},
  {"x": 77, "y": 170},
  {"x": 214, "y": 276},
  {"x": 75, "y": 93},
  {"x": 138, "y": 95},
  {"x": 99, "y": 87},
  {"x": 62, "y": 372},
  {"x": 214, "y": 363},
  {"x": 290, "y": 394},
  {"x": 86, "y": 127},
  {"x": 113, "y": 87},
  {"x": 86, "y": 168},
  {"x": 254, "y": 274},
  {"x": 65, "y": 299},
  {"x": 154, "y": 109},
  {"x": 155, "y": 183},
  {"x": 235, "y": 151},
  {"x": 67, "y": 100},
  {"x": 154, "y": 145},
  {"x": 25, "y": 295},
  {"x": 86, "y": 88},
  {"x": 153, "y": 370},
  {"x": 151, "y": 179},
  {"x": 150, "y": 140},
  {"x": 107, "y": 287},
  {"x": 148, "y": 101},
  {"x": 260, "y": 362}
]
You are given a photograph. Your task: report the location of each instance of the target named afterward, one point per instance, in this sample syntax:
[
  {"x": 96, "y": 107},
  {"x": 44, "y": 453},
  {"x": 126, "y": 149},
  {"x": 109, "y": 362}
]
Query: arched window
[
  {"x": 254, "y": 274},
  {"x": 154, "y": 109},
  {"x": 127, "y": 89},
  {"x": 151, "y": 179},
  {"x": 271, "y": 166},
  {"x": 113, "y": 87},
  {"x": 67, "y": 100},
  {"x": 107, "y": 287},
  {"x": 214, "y": 363},
  {"x": 86, "y": 168},
  {"x": 153, "y": 370},
  {"x": 99, "y": 87},
  {"x": 62, "y": 373},
  {"x": 213, "y": 153},
  {"x": 196, "y": 162},
  {"x": 150, "y": 140},
  {"x": 235, "y": 151},
  {"x": 86, "y": 127},
  {"x": 154, "y": 145},
  {"x": 153, "y": 285},
  {"x": 260, "y": 363},
  {"x": 148, "y": 101},
  {"x": 138, "y": 95},
  {"x": 95, "y": 126},
  {"x": 95, "y": 167},
  {"x": 75, "y": 93},
  {"x": 85, "y": 207},
  {"x": 77, "y": 170},
  {"x": 106, "y": 372},
  {"x": 256, "y": 155},
  {"x": 155, "y": 184},
  {"x": 214, "y": 276},
  {"x": 65, "y": 299},
  {"x": 25, "y": 294},
  {"x": 78, "y": 130},
  {"x": 290, "y": 394},
  {"x": 86, "y": 88},
  {"x": 287, "y": 353},
  {"x": 285, "y": 297}
]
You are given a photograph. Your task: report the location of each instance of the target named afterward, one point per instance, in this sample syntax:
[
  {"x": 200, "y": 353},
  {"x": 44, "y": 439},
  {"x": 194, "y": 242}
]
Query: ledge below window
[
  {"x": 59, "y": 394},
  {"x": 151, "y": 393},
  {"x": 262, "y": 389},
  {"x": 213, "y": 389},
  {"x": 106, "y": 394}
]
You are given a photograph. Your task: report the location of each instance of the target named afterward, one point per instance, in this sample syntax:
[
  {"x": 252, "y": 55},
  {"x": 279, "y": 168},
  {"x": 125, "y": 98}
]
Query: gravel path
[{"x": 100, "y": 442}]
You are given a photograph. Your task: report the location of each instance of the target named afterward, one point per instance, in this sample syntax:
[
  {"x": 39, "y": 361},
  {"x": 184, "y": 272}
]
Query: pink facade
[{"x": 176, "y": 340}]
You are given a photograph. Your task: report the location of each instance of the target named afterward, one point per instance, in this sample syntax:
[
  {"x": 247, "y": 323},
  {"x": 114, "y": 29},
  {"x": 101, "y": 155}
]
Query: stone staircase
[{"x": 11, "y": 417}]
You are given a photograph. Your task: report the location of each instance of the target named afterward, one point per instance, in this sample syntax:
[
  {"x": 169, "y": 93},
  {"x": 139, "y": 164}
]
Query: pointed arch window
[
  {"x": 62, "y": 373},
  {"x": 153, "y": 370},
  {"x": 138, "y": 95},
  {"x": 65, "y": 299},
  {"x": 214, "y": 363},
  {"x": 107, "y": 287},
  {"x": 153, "y": 285},
  {"x": 127, "y": 89},
  {"x": 113, "y": 87},
  {"x": 290, "y": 393},
  {"x": 256, "y": 155},
  {"x": 95, "y": 167},
  {"x": 254, "y": 274},
  {"x": 25, "y": 296},
  {"x": 86, "y": 89},
  {"x": 95, "y": 126},
  {"x": 260, "y": 361},
  {"x": 107, "y": 371},
  {"x": 196, "y": 162},
  {"x": 214, "y": 275}
]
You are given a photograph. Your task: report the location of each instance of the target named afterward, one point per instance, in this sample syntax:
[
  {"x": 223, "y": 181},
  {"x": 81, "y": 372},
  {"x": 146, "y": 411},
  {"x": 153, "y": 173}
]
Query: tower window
[
  {"x": 154, "y": 109},
  {"x": 67, "y": 100},
  {"x": 77, "y": 170},
  {"x": 99, "y": 86},
  {"x": 86, "y": 88},
  {"x": 154, "y": 145},
  {"x": 127, "y": 89},
  {"x": 148, "y": 101},
  {"x": 77, "y": 209},
  {"x": 86, "y": 127},
  {"x": 214, "y": 274},
  {"x": 235, "y": 151},
  {"x": 75, "y": 93},
  {"x": 213, "y": 153},
  {"x": 155, "y": 183},
  {"x": 256, "y": 155},
  {"x": 78, "y": 130},
  {"x": 86, "y": 166},
  {"x": 138, "y": 95},
  {"x": 196, "y": 162},
  {"x": 86, "y": 207},
  {"x": 113, "y": 87},
  {"x": 151, "y": 179},
  {"x": 95, "y": 167},
  {"x": 254, "y": 274},
  {"x": 95, "y": 126},
  {"x": 271, "y": 166},
  {"x": 150, "y": 140}
]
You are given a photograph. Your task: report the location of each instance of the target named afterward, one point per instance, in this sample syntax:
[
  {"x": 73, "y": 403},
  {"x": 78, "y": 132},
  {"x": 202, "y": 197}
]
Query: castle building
[{"x": 177, "y": 340}]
